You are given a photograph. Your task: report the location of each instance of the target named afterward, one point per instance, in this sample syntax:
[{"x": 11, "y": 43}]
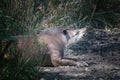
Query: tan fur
[{"x": 55, "y": 43}]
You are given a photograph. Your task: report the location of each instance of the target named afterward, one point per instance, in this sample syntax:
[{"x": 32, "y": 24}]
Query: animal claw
[{"x": 82, "y": 63}]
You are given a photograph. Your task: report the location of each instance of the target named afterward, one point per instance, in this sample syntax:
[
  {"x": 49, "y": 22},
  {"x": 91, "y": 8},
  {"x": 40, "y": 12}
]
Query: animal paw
[{"x": 82, "y": 63}]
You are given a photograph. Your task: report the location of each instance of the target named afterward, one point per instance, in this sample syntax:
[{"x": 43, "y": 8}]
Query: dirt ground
[{"x": 100, "y": 49}]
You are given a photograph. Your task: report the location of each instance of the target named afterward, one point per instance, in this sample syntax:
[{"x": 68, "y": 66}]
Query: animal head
[{"x": 74, "y": 35}]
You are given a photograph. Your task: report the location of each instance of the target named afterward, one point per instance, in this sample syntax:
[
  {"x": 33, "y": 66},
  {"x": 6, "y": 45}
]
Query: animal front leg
[
  {"x": 78, "y": 63},
  {"x": 63, "y": 62},
  {"x": 67, "y": 62},
  {"x": 57, "y": 60}
]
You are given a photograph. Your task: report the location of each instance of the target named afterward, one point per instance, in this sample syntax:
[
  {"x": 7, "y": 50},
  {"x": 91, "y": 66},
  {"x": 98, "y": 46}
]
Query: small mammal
[{"x": 56, "y": 41}]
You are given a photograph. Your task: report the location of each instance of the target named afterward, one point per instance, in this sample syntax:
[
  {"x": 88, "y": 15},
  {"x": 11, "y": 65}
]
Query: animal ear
[{"x": 65, "y": 32}]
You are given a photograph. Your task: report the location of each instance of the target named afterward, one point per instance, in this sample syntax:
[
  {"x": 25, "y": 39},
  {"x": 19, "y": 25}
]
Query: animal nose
[{"x": 83, "y": 30}]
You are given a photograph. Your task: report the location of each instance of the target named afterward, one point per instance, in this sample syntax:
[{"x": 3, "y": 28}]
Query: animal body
[{"x": 55, "y": 41}]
